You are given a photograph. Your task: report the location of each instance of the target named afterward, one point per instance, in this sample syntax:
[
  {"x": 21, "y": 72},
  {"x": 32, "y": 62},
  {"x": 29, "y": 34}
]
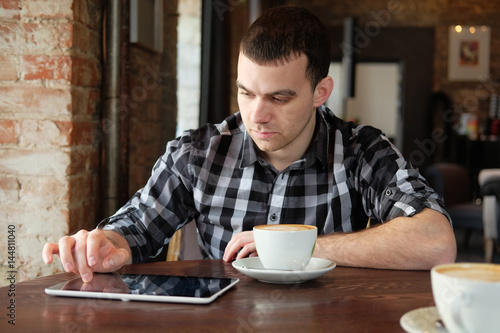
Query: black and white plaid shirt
[{"x": 215, "y": 176}]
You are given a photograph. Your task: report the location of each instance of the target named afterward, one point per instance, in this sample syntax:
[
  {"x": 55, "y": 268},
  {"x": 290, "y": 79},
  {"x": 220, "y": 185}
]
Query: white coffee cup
[
  {"x": 285, "y": 246},
  {"x": 467, "y": 296}
]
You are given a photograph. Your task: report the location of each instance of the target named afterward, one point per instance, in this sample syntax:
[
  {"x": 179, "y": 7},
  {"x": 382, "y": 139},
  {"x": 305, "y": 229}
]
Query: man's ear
[{"x": 323, "y": 91}]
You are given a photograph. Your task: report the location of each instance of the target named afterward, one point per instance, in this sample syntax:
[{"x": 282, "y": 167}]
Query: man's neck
[{"x": 286, "y": 156}]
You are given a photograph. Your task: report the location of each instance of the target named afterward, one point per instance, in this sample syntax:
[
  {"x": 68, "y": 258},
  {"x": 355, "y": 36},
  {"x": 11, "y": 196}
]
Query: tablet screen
[{"x": 161, "y": 288}]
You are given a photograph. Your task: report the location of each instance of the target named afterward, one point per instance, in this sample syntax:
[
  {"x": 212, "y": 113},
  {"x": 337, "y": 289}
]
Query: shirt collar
[
  {"x": 249, "y": 154},
  {"x": 321, "y": 145}
]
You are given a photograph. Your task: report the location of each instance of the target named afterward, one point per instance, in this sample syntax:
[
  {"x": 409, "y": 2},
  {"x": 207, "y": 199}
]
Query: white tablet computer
[{"x": 145, "y": 287}]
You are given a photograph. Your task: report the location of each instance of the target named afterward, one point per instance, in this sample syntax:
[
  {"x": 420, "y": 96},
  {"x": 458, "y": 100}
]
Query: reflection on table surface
[{"x": 150, "y": 284}]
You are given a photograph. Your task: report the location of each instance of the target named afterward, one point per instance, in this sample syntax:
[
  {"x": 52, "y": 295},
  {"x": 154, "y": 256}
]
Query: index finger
[
  {"x": 94, "y": 242},
  {"x": 49, "y": 249},
  {"x": 231, "y": 249},
  {"x": 236, "y": 243}
]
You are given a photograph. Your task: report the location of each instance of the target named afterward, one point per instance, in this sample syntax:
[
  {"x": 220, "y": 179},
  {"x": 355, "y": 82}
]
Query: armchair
[
  {"x": 489, "y": 181},
  {"x": 452, "y": 182}
]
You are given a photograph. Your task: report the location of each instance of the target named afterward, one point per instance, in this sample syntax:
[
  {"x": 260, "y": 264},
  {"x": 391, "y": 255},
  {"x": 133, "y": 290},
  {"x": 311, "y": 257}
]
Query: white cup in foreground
[
  {"x": 467, "y": 296},
  {"x": 285, "y": 246}
]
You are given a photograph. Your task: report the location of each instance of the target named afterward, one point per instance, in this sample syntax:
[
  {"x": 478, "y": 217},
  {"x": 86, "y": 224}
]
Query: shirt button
[
  {"x": 274, "y": 217},
  {"x": 388, "y": 192}
]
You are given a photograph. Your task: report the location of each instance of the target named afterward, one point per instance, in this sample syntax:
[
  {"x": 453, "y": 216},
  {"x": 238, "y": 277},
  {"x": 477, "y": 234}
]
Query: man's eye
[{"x": 280, "y": 100}]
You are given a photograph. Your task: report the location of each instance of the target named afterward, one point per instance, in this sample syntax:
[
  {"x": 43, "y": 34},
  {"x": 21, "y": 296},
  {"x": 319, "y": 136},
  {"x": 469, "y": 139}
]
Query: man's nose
[{"x": 261, "y": 111}]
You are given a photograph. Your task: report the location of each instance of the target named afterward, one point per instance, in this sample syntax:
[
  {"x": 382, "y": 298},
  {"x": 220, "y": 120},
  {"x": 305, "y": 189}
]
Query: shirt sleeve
[
  {"x": 390, "y": 186},
  {"x": 151, "y": 217}
]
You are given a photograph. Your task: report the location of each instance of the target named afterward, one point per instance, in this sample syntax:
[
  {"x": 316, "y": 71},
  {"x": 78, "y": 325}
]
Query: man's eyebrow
[
  {"x": 284, "y": 92},
  {"x": 281, "y": 92},
  {"x": 241, "y": 86}
]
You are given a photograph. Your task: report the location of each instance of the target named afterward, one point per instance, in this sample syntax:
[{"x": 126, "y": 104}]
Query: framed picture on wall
[{"x": 468, "y": 53}]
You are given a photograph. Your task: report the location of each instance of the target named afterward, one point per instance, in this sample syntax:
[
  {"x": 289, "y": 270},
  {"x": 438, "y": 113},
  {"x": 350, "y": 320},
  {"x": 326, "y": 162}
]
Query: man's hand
[
  {"x": 87, "y": 252},
  {"x": 242, "y": 241}
]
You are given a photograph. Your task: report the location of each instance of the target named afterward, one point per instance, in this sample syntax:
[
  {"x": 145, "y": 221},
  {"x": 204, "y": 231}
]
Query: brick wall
[
  {"x": 50, "y": 136},
  {"x": 50, "y": 74}
]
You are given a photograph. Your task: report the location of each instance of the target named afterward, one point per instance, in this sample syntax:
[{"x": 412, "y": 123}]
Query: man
[{"x": 284, "y": 158}]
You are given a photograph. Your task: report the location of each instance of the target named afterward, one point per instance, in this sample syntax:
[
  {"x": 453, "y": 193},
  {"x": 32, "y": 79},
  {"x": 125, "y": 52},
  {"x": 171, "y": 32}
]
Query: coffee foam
[
  {"x": 489, "y": 273},
  {"x": 285, "y": 227}
]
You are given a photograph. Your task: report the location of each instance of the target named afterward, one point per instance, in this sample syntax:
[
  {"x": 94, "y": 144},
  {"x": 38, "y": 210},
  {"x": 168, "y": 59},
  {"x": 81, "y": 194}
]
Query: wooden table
[{"x": 343, "y": 300}]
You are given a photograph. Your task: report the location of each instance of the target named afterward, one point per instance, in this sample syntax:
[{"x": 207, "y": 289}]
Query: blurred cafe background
[{"x": 90, "y": 92}]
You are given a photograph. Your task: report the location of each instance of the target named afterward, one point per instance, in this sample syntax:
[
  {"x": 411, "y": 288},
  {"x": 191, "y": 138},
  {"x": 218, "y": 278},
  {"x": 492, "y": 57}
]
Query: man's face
[{"x": 277, "y": 106}]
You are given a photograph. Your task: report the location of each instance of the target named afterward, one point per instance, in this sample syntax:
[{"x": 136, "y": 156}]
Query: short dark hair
[{"x": 286, "y": 32}]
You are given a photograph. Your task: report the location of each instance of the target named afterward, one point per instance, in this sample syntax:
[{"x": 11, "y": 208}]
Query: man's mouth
[{"x": 263, "y": 134}]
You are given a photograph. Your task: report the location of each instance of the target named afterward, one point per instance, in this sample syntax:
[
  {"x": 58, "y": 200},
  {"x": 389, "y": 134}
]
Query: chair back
[{"x": 451, "y": 181}]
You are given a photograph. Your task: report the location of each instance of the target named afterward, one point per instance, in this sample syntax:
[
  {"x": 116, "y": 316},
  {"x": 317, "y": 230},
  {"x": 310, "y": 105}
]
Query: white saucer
[
  {"x": 422, "y": 320},
  {"x": 253, "y": 267}
]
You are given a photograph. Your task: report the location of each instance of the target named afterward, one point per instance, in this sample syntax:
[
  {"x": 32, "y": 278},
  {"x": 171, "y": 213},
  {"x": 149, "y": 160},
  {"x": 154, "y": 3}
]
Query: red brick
[
  {"x": 48, "y": 36},
  {"x": 34, "y": 162},
  {"x": 86, "y": 73},
  {"x": 19, "y": 99},
  {"x": 87, "y": 42},
  {"x": 10, "y": 9},
  {"x": 78, "y": 133},
  {"x": 44, "y": 67},
  {"x": 83, "y": 133},
  {"x": 89, "y": 12},
  {"x": 46, "y": 133},
  {"x": 9, "y": 189},
  {"x": 84, "y": 159},
  {"x": 85, "y": 101},
  {"x": 81, "y": 39},
  {"x": 9, "y": 32},
  {"x": 10, "y": 4},
  {"x": 43, "y": 191},
  {"x": 58, "y": 133},
  {"x": 81, "y": 12},
  {"x": 9, "y": 131},
  {"x": 48, "y": 8},
  {"x": 65, "y": 131},
  {"x": 8, "y": 68}
]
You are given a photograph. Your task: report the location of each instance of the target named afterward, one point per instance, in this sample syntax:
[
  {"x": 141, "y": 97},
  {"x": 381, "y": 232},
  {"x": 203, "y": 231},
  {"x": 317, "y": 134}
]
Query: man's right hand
[{"x": 90, "y": 251}]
